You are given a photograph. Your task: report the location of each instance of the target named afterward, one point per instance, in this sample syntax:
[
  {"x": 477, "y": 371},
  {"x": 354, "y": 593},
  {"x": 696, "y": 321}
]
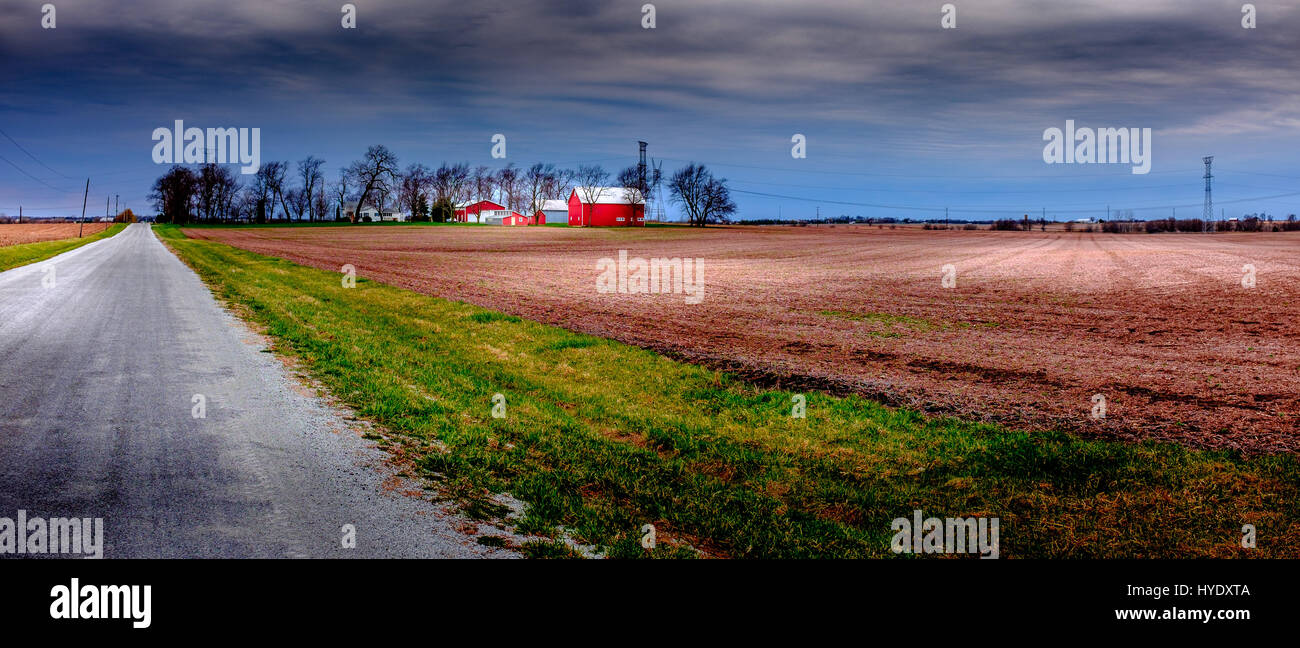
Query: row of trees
[{"x": 300, "y": 192}]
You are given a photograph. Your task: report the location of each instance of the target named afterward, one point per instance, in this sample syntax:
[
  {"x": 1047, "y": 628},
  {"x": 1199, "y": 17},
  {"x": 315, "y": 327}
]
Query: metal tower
[
  {"x": 657, "y": 176},
  {"x": 1208, "y": 217},
  {"x": 640, "y": 167}
]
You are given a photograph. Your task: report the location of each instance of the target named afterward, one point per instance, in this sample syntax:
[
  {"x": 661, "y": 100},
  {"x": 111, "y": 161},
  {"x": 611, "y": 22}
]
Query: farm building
[
  {"x": 605, "y": 207},
  {"x": 375, "y": 215},
  {"x": 552, "y": 211},
  {"x": 471, "y": 211},
  {"x": 503, "y": 217}
]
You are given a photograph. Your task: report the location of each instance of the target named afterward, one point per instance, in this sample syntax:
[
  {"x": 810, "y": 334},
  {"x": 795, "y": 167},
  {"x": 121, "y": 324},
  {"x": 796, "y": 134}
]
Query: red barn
[
  {"x": 467, "y": 209},
  {"x": 613, "y": 207}
]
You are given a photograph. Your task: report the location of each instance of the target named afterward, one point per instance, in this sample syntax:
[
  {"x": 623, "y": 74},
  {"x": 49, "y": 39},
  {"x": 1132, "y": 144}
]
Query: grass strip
[{"x": 12, "y": 256}]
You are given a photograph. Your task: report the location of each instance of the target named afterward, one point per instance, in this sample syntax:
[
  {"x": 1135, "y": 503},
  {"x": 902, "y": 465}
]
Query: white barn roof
[
  {"x": 555, "y": 205},
  {"x": 606, "y": 195}
]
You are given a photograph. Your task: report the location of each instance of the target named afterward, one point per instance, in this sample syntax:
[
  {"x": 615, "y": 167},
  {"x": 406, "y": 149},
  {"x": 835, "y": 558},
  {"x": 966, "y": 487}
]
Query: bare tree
[
  {"x": 263, "y": 191},
  {"x": 483, "y": 182},
  {"x": 589, "y": 181},
  {"x": 374, "y": 172},
  {"x": 413, "y": 193},
  {"x": 449, "y": 182},
  {"x": 320, "y": 205},
  {"x": 215, "y": 192},
  {"x": 173, "y": 194},
  {"x": 509, "y": 182},
  {"x": 704, "y": 198},
  {"x": 298, "y": 200},
  {"x": 539, "y": 184},
  {"x": 635, "y": 183},
  {"x": 340, "y": 195},
  {"x": 562, "y": 184},
  {"x": 310, "y": 174},
  {"x": 275, "y": 172}
]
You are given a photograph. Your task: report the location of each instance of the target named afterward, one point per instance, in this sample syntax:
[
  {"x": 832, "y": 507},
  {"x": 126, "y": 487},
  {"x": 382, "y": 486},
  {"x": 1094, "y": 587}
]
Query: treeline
[
  {"x": 1250, "y": 223},
  {"x": 300, "y": 192}
]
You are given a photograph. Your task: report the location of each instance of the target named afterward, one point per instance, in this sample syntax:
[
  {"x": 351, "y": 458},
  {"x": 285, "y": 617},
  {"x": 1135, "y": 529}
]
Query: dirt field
[
  {"x": 16, "y": 234},
  {"x": 1036, "y": 325}
]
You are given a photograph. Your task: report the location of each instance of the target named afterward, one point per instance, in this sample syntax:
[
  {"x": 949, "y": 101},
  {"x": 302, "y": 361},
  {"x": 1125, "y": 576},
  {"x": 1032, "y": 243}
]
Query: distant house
[
  {"x": 374, "y": 214},
  {"x": 471, "y": 211},
  {"x": 605, "y": 207},
  {"x": 380, "y": 216},
  {"x": 552, "y": 211}
]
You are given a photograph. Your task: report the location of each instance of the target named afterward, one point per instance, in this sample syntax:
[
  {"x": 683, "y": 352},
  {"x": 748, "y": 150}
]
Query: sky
[{"x": 901, "y": 117}]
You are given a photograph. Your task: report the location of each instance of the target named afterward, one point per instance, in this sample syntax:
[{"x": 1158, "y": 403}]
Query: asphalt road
[{"x": 97, "y": 378}]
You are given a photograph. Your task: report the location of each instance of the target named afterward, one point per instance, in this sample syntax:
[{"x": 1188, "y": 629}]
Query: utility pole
[
  {"x": 83, "y": 208},
  {"x": 116, "y": 197},
  {"x": 1209, "y": 200},
  {"x": 945, "y": 218},
  {"x": 20, "y": 214}
]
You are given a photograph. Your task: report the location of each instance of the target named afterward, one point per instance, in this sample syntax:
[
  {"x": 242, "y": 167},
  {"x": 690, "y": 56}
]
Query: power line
[
  {"x": 20, "y": 170},
  {"x": 33, "y": 157},
  {"x": 904, "y": 175},
  {"x": 988, "y": 211},
  {"x": 932, "y": 190}
]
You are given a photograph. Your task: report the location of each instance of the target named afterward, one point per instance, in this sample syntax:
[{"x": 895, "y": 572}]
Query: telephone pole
[{"x": 84, "y": 196}]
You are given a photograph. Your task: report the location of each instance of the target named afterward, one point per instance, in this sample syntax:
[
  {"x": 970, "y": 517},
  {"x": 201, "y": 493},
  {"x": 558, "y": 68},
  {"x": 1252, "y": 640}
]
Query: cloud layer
[{"x": 887, "y": 98}]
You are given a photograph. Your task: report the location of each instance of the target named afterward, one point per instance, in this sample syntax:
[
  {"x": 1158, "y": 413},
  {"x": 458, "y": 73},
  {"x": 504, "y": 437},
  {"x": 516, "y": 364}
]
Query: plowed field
[
  {"x": 17, "y": 234},
  {"x": 1037, "y": 323}
]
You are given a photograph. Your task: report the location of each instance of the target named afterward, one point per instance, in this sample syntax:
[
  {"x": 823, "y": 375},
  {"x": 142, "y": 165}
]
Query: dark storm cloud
[{"x": 716, "y": 80}]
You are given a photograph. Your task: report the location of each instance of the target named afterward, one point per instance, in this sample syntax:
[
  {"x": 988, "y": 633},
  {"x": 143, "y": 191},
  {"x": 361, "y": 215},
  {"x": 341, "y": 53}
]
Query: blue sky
[{"x": 902, "y": 117}]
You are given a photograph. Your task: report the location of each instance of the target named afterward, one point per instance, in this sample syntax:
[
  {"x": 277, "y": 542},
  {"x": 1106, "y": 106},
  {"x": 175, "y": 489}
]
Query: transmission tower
[
  {"x": 657, "y": 183},
  {"x": 640, "y": 165},
  {"x": 1208, "y": 217}
]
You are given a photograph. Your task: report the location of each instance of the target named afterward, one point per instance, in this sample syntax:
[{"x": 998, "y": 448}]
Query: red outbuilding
[
  {"x": 605, "y": 207},
  {"x": 467, "y": 211}
]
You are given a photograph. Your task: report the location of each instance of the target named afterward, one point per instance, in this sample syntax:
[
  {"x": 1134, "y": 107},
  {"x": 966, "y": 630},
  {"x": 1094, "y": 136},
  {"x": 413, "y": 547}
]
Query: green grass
[
  {"x": 12, "y": 256},
  {"x": 600, "y": 438},
  {"x": 492, "y": 316},
  {"x": 884, "y": 324}
]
